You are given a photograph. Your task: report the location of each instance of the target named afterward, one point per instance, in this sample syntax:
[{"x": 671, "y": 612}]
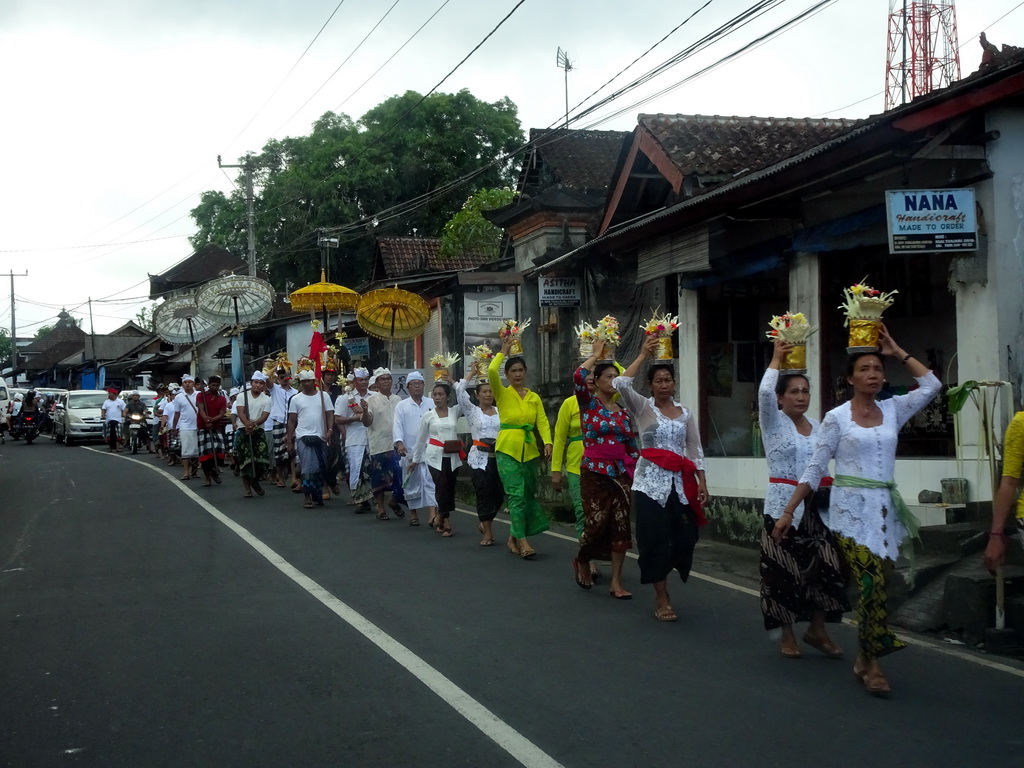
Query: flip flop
[
  {"x": 487, "y": 543},
  {"x": 257, "y": 487},
  {"x": 623, "y": 596},
  {"x": 415, "y": 521},
  {"x": 576, "y": 574},
  {"x": 827, "y": 647}
]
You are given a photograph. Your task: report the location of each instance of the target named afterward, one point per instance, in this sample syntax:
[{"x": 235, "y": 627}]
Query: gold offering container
[
  {"x": 664, "y": 349},
  {"x": 795, "y": 360},
  {"x": 441, "y": 373},
  {"x": 863, "y": 336},
  {"x": 586, "y": 349},
  {"x": 609, "y": 351},
  {"x": 517, "y": 347}
]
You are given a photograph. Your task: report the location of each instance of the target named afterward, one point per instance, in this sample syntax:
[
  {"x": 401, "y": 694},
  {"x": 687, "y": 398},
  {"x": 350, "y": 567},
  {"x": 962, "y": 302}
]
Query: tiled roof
[
  {"x": 719, "y": 146},
  {"x": 583, "y": 160},
  {"x": 53, "y": 355},
  {"x": 207, "y": 263},
  {"x": 404, "y": 255},
  {"x": 57, "y": 335}
]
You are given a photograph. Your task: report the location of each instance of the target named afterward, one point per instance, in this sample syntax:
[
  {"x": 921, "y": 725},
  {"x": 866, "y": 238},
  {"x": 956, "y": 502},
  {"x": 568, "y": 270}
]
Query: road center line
[{"x": 496, "y": 729}]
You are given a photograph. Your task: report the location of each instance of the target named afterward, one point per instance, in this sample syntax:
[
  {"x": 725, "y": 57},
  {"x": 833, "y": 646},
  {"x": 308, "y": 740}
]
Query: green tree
[
  {"x": 42, "y": 330},
  {"x": 144, "y": 317},
  {"x": 468, "y": 232},
  {"x": 346, "y": 172},
  {"x": 5, "y": 348}
]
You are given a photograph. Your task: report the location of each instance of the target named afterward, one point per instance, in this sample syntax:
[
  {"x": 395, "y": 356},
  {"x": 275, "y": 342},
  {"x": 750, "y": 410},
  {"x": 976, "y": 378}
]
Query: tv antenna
[{"x": 563, "y": 61}]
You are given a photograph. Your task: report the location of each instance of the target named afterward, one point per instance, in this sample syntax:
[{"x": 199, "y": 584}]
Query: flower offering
[
  {"x": 662, "y": 327},
  {"x": 513, "y": 329},
  {"x": 586, "y": 333},
  {"x": 481, "y": 355},
  {"x": 793, "y": 328},
  {"x": 863, "y": 307},
  {"x": 442, "y": 363}
]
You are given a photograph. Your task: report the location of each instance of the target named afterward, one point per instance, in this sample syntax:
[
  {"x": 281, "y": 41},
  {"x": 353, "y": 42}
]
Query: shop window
[{"x": 734, "y": 318}]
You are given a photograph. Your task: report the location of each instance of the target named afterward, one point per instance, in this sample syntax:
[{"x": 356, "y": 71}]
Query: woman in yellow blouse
[
  {"x": 1008, "y": 496},
  {"x": 523, "y": 423},
  {"x": 568, "y": 452}
]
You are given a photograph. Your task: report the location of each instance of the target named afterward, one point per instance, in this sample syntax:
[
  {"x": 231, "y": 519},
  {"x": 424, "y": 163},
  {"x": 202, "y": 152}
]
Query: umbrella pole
[
  {"x": 192, "y": 335},
  {"x": 245, "y": 392}
]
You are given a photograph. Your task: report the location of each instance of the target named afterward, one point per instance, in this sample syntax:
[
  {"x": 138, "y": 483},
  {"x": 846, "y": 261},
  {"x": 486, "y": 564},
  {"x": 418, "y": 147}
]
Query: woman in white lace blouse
[
  {"x": 484, "y": 424},
  {"x": 668, "y": 485},
  {"x": 866, "y": 513},
  {"x": 801, "y": 574},
  {"x": 439, "y": 447}
]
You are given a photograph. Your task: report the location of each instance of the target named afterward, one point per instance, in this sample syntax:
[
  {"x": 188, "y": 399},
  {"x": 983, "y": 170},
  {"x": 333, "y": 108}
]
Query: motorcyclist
[
  {"x": 28, "y": 406},
  {"x": 136, "y": 406},
  {"x": 12, "y": 414}
]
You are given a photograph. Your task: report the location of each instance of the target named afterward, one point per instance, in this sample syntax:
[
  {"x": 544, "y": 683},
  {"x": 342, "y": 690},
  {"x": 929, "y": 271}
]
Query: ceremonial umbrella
[
  {"x": 324, "y": 295},
  {"x": 392, "y": 314},
  {"x": 179, "y": 321},
  {"x": 246, "y": 300}
]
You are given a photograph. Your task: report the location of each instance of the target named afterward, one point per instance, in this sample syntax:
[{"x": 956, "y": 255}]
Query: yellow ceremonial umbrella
[
  {"x": 392, "y": 314},
  {"x": 323, "y": 295}
]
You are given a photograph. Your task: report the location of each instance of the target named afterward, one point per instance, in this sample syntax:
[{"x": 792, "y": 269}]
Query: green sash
[
  {"x": 577, "y": 439},
  {"x": 527, "y": 430},
  {"x": 903, "y": 514}
]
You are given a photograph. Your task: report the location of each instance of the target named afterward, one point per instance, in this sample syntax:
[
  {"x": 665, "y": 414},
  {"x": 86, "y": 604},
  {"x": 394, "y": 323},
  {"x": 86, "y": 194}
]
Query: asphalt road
[{"x": 149, "y": 622}]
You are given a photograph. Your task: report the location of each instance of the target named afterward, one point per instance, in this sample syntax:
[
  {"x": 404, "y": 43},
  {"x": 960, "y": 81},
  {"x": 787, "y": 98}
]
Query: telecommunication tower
[{"x": 922, "y": 52}]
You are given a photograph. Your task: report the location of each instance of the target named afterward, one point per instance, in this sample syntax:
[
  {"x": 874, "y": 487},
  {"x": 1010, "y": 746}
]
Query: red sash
[
  {"x": 673, "y": 462},
  {"x": 440, "y": 444},
  {"x": 613, "y": 452}
]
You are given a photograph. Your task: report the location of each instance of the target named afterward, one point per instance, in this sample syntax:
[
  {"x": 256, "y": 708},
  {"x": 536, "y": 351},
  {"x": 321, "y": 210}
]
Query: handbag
[{"x": 452, "y": 446}]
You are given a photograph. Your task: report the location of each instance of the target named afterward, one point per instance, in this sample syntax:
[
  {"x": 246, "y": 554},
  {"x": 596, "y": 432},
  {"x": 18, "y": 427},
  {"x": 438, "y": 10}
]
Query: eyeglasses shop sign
[
  {"x": 559, "y": 291},
  {"x": 928, "y": 220}
]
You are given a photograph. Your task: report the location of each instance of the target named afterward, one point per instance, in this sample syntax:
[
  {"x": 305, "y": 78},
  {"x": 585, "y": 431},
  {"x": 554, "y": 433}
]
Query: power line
[
  {"x": 100, "y": 245},
  {"x": 400, "y": 48},
  {"x": 289, "y": 74},
  {"x": 343, "y": 63}
]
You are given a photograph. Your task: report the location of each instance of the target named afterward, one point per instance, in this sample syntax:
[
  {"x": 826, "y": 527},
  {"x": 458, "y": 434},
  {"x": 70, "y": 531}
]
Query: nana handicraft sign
[{"x": 928, "y": 220}]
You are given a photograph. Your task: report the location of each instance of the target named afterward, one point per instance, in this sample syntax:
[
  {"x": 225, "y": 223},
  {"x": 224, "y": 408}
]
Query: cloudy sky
[{"x": 114, "y": 111}]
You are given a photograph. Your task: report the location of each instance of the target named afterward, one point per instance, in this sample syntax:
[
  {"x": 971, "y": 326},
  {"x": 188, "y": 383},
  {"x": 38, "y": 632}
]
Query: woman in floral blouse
[{"x": 606, "y": 473}]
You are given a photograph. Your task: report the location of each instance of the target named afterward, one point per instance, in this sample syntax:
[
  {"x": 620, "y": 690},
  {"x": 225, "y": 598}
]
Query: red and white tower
[{"x": 922, "y": 53}]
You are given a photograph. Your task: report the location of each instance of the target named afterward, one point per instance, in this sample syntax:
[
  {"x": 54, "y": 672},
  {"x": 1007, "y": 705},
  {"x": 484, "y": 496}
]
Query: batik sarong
[
  {"x": 211, "y": 448},
  {"x": 312, "y": 464},
  {"x": 384, "y": 471},
  {"x": 801, "y": 574},
  {"x": 252, "y": 455},
  {"x": 605, "y": 515},
  {"x": 280, "y": 447},
  {"x": 868, "y": 574}
]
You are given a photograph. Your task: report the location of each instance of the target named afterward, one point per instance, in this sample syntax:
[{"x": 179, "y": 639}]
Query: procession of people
[{"x": 630, "y": 457}]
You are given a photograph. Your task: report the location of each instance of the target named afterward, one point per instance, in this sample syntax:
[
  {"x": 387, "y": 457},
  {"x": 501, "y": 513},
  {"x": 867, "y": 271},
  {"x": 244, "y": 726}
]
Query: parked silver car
[{"x": 78, "y": 416}]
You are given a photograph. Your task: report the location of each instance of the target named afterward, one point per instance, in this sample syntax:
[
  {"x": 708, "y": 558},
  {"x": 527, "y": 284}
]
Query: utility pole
[
  {"x": 248, "y": 166},
  {"x": 14, "y": 328},
  {"x": 92, "y": 350}
]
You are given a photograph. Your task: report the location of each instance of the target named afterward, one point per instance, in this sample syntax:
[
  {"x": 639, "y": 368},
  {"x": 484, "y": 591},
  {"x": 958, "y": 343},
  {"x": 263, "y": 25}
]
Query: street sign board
[{"x": 929, "y": 220}]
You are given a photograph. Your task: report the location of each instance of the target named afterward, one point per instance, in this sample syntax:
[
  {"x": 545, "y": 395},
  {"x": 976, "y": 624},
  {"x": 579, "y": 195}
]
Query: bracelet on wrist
[{"x": 905, "y": 358}]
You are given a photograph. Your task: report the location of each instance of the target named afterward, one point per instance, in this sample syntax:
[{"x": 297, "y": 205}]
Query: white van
[{"x": 5, "y": 399}]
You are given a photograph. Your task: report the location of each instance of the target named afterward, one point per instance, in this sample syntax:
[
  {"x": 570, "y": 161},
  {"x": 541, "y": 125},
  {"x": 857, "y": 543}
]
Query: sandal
[
  {"x": 527, "y": 552},
  {"x": 447, "y": 533},
  {"x": 414, "y": 521},
  {"x": 876, "y": 683},
  {"x": 790, "y": 653},
  {"x": 513, "y": 545},
  {"x": 383, "y": 516},
  {"x": 487, "y": 543},
  {"x": 825, "y": 645},
  {"x": 621, "y": 595},
  {"x": 307, "y": 504},
  {"x": 432, "y": 522},
  {"x": 665, "y": 613},
  {"x": 257, "y": 487},
  {"x": 576, "y": 572}
]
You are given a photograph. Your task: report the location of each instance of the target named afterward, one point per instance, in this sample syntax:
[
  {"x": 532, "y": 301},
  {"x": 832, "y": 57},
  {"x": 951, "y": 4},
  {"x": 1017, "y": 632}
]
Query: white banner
[
  {"x": 483, "y": 314},
  {"x": 928, "y": 220}
]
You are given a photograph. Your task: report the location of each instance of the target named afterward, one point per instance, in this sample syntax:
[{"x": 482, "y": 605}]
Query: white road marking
[{"x": 500, "y": 732}]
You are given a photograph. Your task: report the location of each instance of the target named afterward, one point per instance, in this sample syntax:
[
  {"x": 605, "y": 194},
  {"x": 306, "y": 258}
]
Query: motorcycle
[
  {"x": 136, "y": 425},
  {"x": 26, "y": 425}
]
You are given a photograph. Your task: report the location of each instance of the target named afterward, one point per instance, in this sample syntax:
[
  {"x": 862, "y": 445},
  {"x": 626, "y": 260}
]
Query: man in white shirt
[
  {"x": 186, "y": 426},
  {"x": 349, "y": 409},
  {"x": 252, "y": 455},
  {"x": 113, "y": 414},
  {"x": 417, "y": 484},
  {"x": 281, "y": 392},
  {"x": 167, "y": 422},
  {"x": 310, "y": 421},
  {"x": 379, "y": 419}
]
